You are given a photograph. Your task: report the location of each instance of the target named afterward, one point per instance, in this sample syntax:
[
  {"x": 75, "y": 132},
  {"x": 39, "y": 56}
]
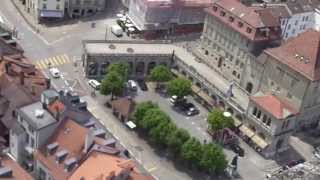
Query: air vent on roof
[
  {"x": 61, "y": 155},
  {"x": 301, "y": 58},
  {"x": 51, "y": 148},
  {"x": 306, "y": 61},
  {"x": 69, "y": 164},
  {"x": 231, "y": 9},
  {"x": 129, "y": 50},
  {"x": 39, "y": 113},
  {"x": 296, "y": 56},
  {"x": 112, "y": 46},
  {"x": 5, "y": 172}
]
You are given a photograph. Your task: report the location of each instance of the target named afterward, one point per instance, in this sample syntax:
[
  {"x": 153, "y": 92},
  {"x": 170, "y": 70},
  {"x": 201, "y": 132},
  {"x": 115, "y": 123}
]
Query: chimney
[
  {"x": 69, "y": 164},
  {"x": 61, "y": 155},
  {"x": 88, "y": 141}
]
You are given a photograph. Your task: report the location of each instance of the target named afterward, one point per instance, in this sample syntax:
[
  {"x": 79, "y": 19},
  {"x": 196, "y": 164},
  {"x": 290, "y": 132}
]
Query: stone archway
[
  {"x": 140, "y": 68},
  {"x": 130, "y": 67},
  {"x": 151, "y": 65},
  {"x": 103, "y": 68}
]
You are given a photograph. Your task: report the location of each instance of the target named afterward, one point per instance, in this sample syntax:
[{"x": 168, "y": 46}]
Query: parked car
[
  {"x": 117, "y": 30},
  {"x": 94, "y": 84},
  {"x": 316, "y": 152},
  {"x": 142, "y": 85},
  {"x": 54, "y": 72},
  {"x": 189, "y": 108},
  {"x": 295, "y": 162},
  {"x": 175, "y": 101},
  {"x": 237, "y": 149},
  {"x": 132, "y": 85}
]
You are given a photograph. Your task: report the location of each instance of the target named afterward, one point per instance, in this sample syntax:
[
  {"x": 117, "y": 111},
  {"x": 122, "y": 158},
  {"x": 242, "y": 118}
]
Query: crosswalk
[{"x": 52, "y": 61}]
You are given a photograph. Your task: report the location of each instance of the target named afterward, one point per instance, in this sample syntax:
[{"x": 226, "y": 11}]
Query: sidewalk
[{"x": 144, "y": 154}]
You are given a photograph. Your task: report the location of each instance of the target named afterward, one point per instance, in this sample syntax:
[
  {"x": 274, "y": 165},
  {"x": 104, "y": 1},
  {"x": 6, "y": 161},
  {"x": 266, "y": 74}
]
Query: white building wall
[
  {"x": 297, "y": 24},
  {"x": 317, "y": 20}
]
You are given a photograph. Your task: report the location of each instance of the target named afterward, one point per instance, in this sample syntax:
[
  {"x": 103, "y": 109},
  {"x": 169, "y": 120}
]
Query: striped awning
[
  {"x": 245, "y": 130},
  {"x": 259, "y": 141}
]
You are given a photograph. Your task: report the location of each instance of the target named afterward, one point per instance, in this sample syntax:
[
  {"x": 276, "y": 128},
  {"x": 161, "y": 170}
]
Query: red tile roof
[
  {"x": 18, "y": 172},
  {"x": 301, "y": 53},
  {"x": 178, "y": 3},
  {"x": 100, "y": 165},
  {"x": 279, "y": 108},
  {"x": 71, "y": 137}
]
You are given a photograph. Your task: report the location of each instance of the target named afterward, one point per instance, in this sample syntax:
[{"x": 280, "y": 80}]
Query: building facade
[
  {"x": 80, "y": 8},
  {"x": 43, "y": 10},
  {"x": 163, "y": 15}
]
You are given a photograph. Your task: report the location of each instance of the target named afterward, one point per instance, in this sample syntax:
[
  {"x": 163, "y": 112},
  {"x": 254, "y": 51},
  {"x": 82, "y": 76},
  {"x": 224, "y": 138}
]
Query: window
[
  {"x": 44, "y": 6},
  {"x": 289, "y": 26},
  {"x": 259, "y": 114},
  {"x": 27, "y": 138},
  {"x": 237, "y": 62},
  {"x": 286, "y": 35},
  {"x": 269, "y": 122},
  {"x": 304, "y": 27},
  {"x": 289, "y": 96},
  {"x": 293, "y": 31},
  {"x": 240, "y": 24},
  {"x": 234, "y": 73},
  {"x": 296, "y": 23},
  {"x": 283, "y": 22},
  {"x": 287, "y": 124},
  {"x": 293, "y": 82},
  {"x": 58, "y": 7},
  {"x": 264, "y": 118},
  {"x": 307, "y": 18},
  {"x": 42, "y": 174},
  {"x": 255, "y": 110},
  {"x": 238, "y": 76},
  {"x": 215, "y": 8},
  {"x": 31, "y": 142},
  {"x": 249, "y": 30},
  {"x": 222, "y": 13}
]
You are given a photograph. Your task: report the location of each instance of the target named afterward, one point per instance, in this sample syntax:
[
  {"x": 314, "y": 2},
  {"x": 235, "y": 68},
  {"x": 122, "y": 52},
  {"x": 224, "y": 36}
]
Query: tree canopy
[
  {"x": 176, "y": 139},
  {"x": 179, "y": 87},
  {"x": 141, "y": 110},
  {"x": 161, "y": 73},
  {"x": 152, "y": 118},
  {"x": 191, "y": 151},
  {"x": 161, "y": 131},
  {"x": 121, "y": 68},
  {"x": 112, "y": 84},
  {"x": 213, "y": 159},
  {"x": 217, "y": 121}
]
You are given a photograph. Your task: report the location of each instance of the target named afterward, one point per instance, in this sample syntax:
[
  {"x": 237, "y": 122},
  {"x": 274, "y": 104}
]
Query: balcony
[{"x": 262, "y": 127}]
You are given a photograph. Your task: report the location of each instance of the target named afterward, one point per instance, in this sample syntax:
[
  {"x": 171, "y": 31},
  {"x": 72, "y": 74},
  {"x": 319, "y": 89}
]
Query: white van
[
  {"x": 116, "y": 30},
  {"x": 94, "y": 84},
  {"x": 132, "y": 85}
]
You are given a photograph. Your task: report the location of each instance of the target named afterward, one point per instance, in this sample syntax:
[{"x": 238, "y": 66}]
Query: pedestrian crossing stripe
[{"x": 54, "y": 61}]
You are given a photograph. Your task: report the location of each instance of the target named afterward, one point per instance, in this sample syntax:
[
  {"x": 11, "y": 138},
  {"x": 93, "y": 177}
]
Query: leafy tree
[
  {"x": 112, "y": 84},
  {"x": 152, "y": 118},
  {"x": 217, "y": 121},
  {"x": 141, "y": 110},
  {"x": 161, "y": 73},
  {"x": 179, "y": 87},
  {"x": 176, "y": 139},
  {"x": 213, "y": 160},
  {"x": 159, "y": 134},
  {"x": 191, "y": 151},
  {"x": 121, "y": 68}
]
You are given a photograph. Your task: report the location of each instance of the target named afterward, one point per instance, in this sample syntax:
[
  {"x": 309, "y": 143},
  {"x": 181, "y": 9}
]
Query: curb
[{"x": 24, "y": 18}]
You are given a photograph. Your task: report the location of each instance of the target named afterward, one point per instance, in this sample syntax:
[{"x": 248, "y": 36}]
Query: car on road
[
  {"x": 142, "y": 85},
  {"x": 237, "y": 149},
  {"x": 189, "y": 109},
  {"x": 132, "y": 85},
  {"x": 316, "y": 152},
  {"x": 94, "y": 84},
  {"x": 295, "y": 162},
  {"x": 55, "y": 72},
  {"x": 175, "y": 101}
]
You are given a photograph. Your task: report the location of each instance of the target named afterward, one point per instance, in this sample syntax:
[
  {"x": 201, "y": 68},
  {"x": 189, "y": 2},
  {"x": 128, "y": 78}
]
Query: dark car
[
  {"x": 237, "y": 149},
  {"x": 189, "y": 108},
  {"x": 295, "y": 162},
  {"x": 142, "y": 85}
]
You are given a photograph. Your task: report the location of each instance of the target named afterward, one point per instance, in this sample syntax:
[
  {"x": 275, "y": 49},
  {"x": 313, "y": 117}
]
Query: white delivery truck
[{"x": 116, "y": 30}]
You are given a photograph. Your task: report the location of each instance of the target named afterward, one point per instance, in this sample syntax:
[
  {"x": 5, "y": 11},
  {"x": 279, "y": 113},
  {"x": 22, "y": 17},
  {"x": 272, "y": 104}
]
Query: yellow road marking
[
  {"x": 54, "y": 61},
  {"x": 152, "y": 169}
]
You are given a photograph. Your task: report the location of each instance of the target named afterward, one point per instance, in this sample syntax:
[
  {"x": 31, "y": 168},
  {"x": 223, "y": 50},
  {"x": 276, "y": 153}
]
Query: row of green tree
[{"x": 177, "y": 141}]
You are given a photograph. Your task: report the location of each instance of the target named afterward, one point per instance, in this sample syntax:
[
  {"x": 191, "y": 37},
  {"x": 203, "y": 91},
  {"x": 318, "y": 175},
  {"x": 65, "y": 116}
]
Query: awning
[
  {"x": 248, "y": 132},
  {"x": 206, "y": 98},
  {"x": 259, "y": 141},
  {"x": 131, "y": 125},
  {"x": 47, "y": 13},
  {"x": 195, "y": 88}
]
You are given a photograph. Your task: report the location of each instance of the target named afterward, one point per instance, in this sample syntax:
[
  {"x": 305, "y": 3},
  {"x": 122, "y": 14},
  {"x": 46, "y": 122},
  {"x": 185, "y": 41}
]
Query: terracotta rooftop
[
  {"x": 301, "y": 53},
  {"x": 124, "y": 106},
  {"x": 177, "y": 3},
  {"x": 71, "y": 137},
  {"x": 100, "y": 165},
  {"x": 279, "y": 108},
  {"x": 18, "y": 172}
]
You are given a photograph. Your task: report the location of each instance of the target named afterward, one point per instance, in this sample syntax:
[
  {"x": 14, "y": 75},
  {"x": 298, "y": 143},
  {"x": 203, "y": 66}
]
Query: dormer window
[
  {"x": 222, "y": 13},
  {"x": 249, "y": 30},
  {"x": 231, "y": 19},
  {"x": 215, "y": 8},
  {"x": 240, "y": 24}
]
